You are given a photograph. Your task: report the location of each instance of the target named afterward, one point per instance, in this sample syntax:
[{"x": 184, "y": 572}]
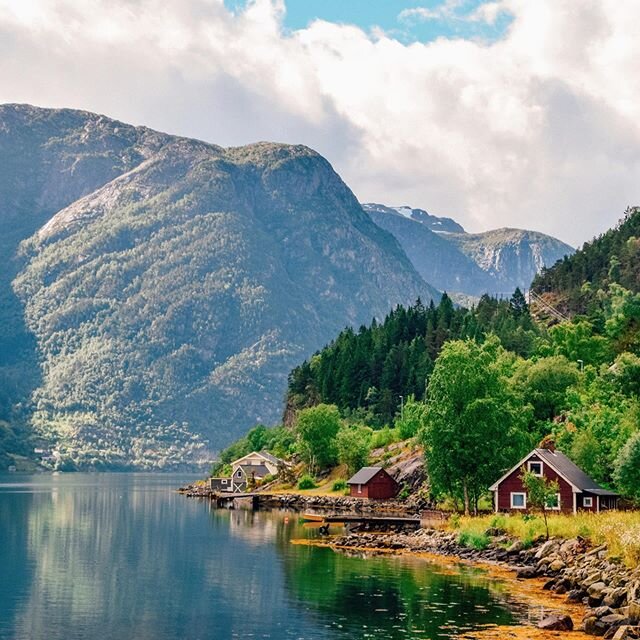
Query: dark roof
[
  {"x": 571, "y": 472},
  {"x": 259, "y": 470},
  {"x": 364, "y": 475}
]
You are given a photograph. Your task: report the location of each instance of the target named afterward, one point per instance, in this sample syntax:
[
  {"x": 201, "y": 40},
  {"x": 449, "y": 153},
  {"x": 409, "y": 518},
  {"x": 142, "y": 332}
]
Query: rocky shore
[{"x": 609, "y": 590}]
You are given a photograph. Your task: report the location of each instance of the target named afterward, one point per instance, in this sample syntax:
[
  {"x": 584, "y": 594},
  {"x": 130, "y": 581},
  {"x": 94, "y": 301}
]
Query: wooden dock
[{"x": 350, "y": 520}]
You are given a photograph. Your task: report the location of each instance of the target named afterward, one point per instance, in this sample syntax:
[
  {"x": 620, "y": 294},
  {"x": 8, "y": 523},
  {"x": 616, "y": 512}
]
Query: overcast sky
[{"x": 521, "y": 113}]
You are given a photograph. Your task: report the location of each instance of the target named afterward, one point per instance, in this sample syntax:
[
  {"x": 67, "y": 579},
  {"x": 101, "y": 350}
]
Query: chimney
[{"x": 548, "y": 443}]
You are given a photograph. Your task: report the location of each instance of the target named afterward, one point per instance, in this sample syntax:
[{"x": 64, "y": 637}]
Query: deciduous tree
[{"x": 473, "y": 428}]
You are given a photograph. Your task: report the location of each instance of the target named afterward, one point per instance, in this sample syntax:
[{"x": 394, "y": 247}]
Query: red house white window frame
[
  {"x": 536, "y": 467},
  {"x": 587, "y": 502},
  {"x": 524, "y": 499}
]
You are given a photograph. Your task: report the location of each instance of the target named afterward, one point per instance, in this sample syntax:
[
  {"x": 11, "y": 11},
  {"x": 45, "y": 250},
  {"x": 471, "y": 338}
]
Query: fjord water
[{"x": 86, "y": 556}]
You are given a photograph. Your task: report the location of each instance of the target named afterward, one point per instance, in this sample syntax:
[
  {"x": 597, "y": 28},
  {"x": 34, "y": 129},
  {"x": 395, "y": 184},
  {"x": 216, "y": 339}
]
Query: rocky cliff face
[
  {"x": 170, "y": 285},
  {"x": 494, "y": 262}
]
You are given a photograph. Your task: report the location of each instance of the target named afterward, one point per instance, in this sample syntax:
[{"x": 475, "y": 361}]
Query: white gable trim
[
  {"x": 253, "y": 453},
  {"x": 495, "y": 485}
]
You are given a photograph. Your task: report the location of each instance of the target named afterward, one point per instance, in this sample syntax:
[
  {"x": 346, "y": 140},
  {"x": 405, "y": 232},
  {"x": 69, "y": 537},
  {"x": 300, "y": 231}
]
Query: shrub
[
  {"x": 307, "y": 482},
  {"x": 473, "y": 540},
  {"x": 339, "y": 485},
  {"x": 405, "y": 493}
]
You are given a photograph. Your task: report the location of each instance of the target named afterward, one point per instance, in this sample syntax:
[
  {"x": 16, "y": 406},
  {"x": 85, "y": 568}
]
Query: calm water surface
[{"x": 86, "y": 556}]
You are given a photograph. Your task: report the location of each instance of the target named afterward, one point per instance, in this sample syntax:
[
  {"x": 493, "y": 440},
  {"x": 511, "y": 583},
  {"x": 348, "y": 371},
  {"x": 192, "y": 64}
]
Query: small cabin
[
  {"x": 374, "y": 483},
  {"x": 577, "y": 491}
]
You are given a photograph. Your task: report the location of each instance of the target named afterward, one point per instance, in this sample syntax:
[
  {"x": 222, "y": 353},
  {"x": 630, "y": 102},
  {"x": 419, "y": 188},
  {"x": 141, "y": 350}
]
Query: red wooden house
[
  {"x": 577, "y": 491},
  {"x": 373, "y": 482}
]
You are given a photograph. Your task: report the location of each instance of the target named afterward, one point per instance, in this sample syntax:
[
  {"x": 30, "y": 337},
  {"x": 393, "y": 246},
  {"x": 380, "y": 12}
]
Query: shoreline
[{"x": 599, "y": 594}]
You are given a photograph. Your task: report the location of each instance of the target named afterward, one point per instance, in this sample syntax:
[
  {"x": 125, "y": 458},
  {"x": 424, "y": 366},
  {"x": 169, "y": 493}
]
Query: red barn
[
  {"x": 577, "y": 491},
  {"x": 373, "y": 482}
]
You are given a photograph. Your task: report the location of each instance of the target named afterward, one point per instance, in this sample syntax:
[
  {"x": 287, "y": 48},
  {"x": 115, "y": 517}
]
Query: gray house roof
[
  {"x": 259, "y": 470},
  {"x": 267, "y": 456},
  {"x": 572, "y": 472},
  {"x": 364, "y": 475}
]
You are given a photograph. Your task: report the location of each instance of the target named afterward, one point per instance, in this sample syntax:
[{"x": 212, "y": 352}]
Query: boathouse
[
  {"x": 374, "y": 483},
  {"x": 577, "y": 491},
  {"x": 245, "y": 471}
]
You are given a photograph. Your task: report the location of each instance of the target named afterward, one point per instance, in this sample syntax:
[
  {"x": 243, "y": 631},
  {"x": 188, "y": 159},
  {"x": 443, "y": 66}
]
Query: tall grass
[{"x": 619, "y": 530}]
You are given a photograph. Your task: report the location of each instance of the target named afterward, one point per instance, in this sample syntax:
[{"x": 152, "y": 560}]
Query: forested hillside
[
  {"x": 166, "y": 286},
  {"x": 49, "y": 159},
  {"x": 367, "y": 371},
  {"x": 576, "y": 284}
]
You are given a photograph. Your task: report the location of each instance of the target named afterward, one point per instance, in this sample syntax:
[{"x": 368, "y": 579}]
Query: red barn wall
[
  {"x": 512, "y": 483},
  {"x": 364, "y": 493}
]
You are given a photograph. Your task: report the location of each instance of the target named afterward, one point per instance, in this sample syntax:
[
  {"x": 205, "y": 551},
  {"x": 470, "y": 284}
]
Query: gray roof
[
  {"x": 270, "y": 458},
  {"x": 571, "y": 472},
  {"x": 364, "y": 475},
  {"x": 259, "y": 470}
]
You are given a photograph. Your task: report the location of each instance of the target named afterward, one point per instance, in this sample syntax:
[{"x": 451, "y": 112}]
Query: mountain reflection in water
[{"x": 123, "y": 556}]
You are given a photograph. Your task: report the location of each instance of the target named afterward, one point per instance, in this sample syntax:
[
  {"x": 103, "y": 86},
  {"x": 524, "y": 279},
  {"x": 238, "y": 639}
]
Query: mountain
[
  {"x": 438, "y": 225},
  {"x": 573, "y": 285},
  {"x": 471, "y": 264},
  {"x": 167, "y": 286},
  {"x": 49, "y": 159}
]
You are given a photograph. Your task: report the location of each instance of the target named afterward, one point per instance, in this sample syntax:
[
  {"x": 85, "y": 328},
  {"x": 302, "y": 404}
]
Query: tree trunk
[
  {"x": 466, "y": 498},
  {"x": 546, "y": 525}
]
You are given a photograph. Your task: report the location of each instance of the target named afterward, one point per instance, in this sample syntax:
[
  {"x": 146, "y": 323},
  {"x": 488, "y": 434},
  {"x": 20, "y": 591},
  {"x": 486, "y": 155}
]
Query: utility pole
[
  {"x": 581, "y": 362},
  {"x": 401, "y": 407}
]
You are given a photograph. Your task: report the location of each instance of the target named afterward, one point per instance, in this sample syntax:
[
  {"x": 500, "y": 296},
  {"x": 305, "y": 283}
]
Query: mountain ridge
[{"x": 496, "y": 261}]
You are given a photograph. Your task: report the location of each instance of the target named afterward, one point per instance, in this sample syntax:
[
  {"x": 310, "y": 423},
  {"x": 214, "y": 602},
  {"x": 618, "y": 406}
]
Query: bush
[
  {"x": 267, "y": 479},
  {"x": 473, "y": 540},
  {"x": 339, "y": 485},
  {"x": 307, "y": 482}
]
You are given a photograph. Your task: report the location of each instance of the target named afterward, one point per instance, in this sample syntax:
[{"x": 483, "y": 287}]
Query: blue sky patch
[{"x": 406, "y": 20}]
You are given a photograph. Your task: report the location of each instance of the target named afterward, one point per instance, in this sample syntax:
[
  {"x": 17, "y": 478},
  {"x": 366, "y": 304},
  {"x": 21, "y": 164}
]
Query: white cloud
[
  {"x": 443, "y": 11},
  {"x": 455, "y": 11},
  {"x": 539, "y": 129}
]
